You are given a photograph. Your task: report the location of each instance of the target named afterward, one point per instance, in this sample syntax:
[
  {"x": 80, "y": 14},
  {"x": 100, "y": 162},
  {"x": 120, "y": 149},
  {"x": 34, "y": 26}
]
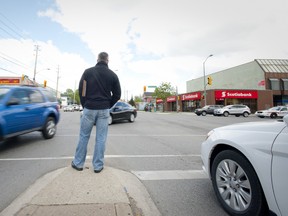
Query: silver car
[{"x": 236, "y": 109}]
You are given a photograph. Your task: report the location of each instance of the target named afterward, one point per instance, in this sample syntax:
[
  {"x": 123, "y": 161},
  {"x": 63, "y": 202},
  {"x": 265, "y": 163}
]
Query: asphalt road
[{"x": 161, "y": 149}]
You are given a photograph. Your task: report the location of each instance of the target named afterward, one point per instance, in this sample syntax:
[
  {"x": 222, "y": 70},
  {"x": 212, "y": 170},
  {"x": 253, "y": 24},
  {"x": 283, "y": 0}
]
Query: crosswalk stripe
[{"x": 170, "y": 174}]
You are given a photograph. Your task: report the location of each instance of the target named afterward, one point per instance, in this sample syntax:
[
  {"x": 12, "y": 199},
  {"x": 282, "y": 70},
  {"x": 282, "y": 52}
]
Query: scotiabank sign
[
  {"x": 191, "y": 96},
  {"x": 247, "y": 94}
]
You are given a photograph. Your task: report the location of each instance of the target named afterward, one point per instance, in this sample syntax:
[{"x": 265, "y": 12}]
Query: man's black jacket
[{"x": 99, "y": 87}]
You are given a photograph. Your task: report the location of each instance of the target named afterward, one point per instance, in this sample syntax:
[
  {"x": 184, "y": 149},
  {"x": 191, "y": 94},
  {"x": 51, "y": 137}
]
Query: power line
[
  {"x": 10, "y": 28},
  {"x": 13, "y": 60}
]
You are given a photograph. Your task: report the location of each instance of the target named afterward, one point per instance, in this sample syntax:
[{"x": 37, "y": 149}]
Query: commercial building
[{"x": 260, "y": 84}]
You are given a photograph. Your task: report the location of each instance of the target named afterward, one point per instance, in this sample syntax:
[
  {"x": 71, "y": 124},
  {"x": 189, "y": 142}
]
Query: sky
[{"x": 149, "y": 42}]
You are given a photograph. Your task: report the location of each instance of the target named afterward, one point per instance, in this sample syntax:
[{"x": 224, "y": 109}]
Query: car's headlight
[{"x": 209, "y": 134}]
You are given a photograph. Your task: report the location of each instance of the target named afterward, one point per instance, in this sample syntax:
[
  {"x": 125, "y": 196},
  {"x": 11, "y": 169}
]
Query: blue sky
[{"x": 149, "y": 42}]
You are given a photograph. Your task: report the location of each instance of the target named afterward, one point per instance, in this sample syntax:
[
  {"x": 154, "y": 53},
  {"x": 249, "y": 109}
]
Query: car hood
[{"x": 269, "y": 126}]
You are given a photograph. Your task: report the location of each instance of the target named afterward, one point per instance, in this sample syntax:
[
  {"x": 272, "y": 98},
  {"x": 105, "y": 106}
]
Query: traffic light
[
  {"x": 209, "y": 78},
  {"x": 22, "y": 78},
  {"x": 45, "y": 83},
  {"x": 144, "y": 88}
]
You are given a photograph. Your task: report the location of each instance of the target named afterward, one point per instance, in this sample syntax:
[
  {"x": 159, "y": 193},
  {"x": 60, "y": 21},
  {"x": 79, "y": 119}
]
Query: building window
[
  {"x": 274, "y": 84},
  {"x": 285, "y": 84}
]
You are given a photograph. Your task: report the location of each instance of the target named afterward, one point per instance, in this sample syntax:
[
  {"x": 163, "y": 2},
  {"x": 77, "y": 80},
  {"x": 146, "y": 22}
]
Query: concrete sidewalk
[{"x": 66, "y": 191}]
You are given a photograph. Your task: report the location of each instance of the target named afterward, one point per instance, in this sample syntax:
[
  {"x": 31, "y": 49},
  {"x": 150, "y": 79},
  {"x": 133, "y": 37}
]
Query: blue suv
[{"x": 25, "y": 109}]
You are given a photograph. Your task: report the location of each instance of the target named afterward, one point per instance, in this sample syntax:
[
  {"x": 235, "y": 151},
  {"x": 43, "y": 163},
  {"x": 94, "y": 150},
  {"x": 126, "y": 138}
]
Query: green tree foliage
[
  {"x": 164, "y": 90},
  {"x": 138, "y": 99},
  {"x": 132, "y": 102},
  {"x": 70, "y": 94}
]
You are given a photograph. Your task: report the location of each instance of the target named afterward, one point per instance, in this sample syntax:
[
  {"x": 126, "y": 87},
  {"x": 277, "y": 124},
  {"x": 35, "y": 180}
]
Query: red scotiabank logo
[{"x": 236, "y": 94}]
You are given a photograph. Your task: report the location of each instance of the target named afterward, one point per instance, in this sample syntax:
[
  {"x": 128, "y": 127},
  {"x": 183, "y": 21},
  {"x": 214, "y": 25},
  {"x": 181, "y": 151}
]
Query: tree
[
  {"x": 132, "y": 102},
  {"x": 138, "y": 99},
  {"x": 163, "y": 91},
  {"x": 75, "y": 99}
]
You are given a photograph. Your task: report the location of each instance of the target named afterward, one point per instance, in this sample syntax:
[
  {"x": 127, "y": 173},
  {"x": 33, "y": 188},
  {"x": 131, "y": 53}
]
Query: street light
[
  {"x": 205, "y": 78},
  {"x": 34, "y": 81}
]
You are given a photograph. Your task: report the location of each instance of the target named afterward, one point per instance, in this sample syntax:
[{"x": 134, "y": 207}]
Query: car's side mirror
[{"x": 13, "y": 101}]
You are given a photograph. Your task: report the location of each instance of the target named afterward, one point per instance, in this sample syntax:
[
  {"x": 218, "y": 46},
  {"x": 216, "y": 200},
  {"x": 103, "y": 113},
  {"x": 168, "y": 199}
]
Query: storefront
[
  {"x": 190, "y": 101},
  {"x": 159, "y": 105},
  {"x": 171, "y": 103},
  {"x": 247, "y": 97}
]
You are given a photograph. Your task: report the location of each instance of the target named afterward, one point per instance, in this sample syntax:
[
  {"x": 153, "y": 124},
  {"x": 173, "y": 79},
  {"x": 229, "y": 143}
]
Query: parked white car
[
  {"x": 274, "y": 112},
  {"x": 236, "y": 109},
  {"x": 247, "y": 164}
]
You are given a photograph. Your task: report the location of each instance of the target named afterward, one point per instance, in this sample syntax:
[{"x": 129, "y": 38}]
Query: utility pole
[
  {"x": 177, "y": 110},
  {"x": 35, "y": 66},
  {"x": 204, "y": 78},
  {"x": 57, "y": 82}
]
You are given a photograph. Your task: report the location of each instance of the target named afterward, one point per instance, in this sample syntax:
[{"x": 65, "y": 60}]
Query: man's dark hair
[{"x": 103, "y": 56}]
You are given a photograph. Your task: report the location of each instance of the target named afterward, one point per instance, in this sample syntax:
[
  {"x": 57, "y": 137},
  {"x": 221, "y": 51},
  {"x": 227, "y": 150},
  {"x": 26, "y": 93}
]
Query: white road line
[
  {"x": 139, "y": 135},
  {"x": 90, "y": 157},
  {"x": 170, "y": 174}
]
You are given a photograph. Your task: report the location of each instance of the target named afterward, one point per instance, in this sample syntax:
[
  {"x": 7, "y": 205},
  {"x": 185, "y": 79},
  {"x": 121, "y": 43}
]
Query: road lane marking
[
  {"x": 170, "y": 175},
  {"x": 139, "y": 135},
  {"x": 90, "y": 157}
]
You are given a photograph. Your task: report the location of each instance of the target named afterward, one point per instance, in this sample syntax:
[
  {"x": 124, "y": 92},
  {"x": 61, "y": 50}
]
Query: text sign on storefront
[
  {"x": 171, "y": 99},
  {"x": 9, "y": 81},
  {"x": 191, "y": 96},
  {"x": 158, "y": 100},
  {"x": 247, "y": 94}
]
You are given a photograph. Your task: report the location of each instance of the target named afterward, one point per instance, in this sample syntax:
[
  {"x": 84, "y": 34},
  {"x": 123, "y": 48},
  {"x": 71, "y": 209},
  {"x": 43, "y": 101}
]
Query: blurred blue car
[{"x": 25, "y": 109}]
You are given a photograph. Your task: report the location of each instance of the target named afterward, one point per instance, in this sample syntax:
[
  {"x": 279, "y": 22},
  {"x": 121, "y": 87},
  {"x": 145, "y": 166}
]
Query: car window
[
  {"x": 126, "y": 105},
  {"x": 36, "y": 96},
  {"x": 21, "y": 95},
  {"x": 51, "y": 97},
  {"x": 3, "y": 91}
]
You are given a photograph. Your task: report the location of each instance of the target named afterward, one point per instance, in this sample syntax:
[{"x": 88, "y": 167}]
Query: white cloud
[{"x": 150, "y": 42}]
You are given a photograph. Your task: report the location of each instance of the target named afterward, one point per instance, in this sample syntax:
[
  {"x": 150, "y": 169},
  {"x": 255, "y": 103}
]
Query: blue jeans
[{"x": 100, "y": 117}]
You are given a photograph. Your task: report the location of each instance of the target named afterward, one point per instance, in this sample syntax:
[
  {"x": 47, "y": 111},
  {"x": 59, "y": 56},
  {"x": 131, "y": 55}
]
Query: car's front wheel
[
  {"x": 226, "y": 114},
  {"x": 236, "y": 185},
  {"x": 204, "y": 113},
  {"x": 131, "y": 118},
  {"x": 49, "y": 129},
  {"x": 273, "y": 115}
]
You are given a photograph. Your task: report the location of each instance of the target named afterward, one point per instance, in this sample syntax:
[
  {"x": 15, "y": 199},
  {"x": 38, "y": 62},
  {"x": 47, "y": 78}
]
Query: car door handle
[{"x": 27, "y": 108}]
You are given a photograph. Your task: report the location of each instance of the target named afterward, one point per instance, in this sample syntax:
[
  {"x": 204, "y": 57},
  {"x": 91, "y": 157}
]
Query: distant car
[
  {"x": 208, "y": 109},
  {"x": 247, "y": 164},
  {"x": 25, "y": 109},
  {"x": 122, "y": 111},
  {"x": 236, "y": 109},
  {"x": 274, "y": 112},
  {"x": 69, "y": 108},
  {"x": 76, "y": 107}
]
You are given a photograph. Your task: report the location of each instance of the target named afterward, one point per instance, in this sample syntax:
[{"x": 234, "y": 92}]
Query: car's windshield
[{"x": 3, "y": 91}]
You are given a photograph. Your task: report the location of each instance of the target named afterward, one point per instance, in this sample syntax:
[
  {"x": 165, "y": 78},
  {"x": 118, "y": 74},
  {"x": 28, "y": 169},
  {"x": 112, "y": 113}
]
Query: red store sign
[
  {"x": 245, "y": 94},
  {"x": 171, "y": 99},
  {"x": 191, "y": 96},
  {"x": 9, "y": 81},
  {"x": 159, "y": 100}
]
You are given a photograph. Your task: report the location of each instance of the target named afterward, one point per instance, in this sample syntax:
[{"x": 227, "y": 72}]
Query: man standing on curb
[{"x": 99, "y": 90}]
